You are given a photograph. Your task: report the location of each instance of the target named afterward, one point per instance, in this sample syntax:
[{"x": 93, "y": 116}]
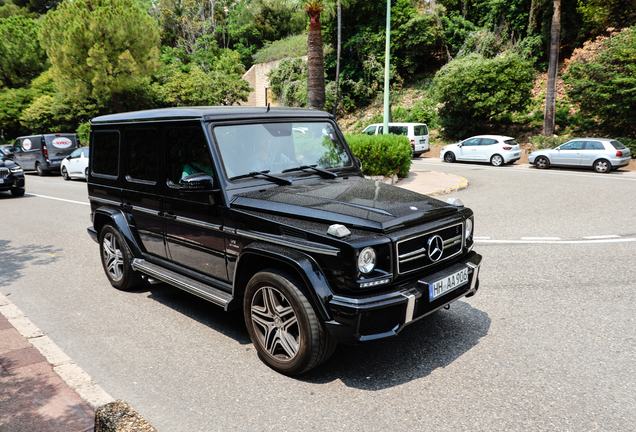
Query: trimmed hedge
[{"x": 383, "y": 155}]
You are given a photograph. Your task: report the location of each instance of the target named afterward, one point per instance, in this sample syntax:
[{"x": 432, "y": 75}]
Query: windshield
[{"x": 276, "y": 147}]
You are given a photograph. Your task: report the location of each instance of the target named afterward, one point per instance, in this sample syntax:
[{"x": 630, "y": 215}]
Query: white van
[{"x": 416, "y": 132}]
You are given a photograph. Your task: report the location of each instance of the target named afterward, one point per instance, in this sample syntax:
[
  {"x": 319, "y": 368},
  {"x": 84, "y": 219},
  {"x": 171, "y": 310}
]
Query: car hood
[
  {"x": 354, "y": 202},
  {"x": 4, "y": 162}
]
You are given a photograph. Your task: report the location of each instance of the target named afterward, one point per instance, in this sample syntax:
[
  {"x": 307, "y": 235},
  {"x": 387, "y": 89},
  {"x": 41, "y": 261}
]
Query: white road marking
[
  {"x": 57, "y": 199},
  {"x": 540, "y": 238},
  {"x": 601, "y": 237},
  {"x": 606, "y": 240}
]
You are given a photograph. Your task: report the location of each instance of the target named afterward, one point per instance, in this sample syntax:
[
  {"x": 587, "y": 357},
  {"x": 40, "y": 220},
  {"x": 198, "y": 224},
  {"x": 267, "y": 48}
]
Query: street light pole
[{"x": 387, "y": 56}]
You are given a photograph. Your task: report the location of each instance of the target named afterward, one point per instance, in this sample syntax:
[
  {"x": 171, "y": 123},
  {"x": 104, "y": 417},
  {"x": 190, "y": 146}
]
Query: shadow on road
[{"x": 14, "y": 259}]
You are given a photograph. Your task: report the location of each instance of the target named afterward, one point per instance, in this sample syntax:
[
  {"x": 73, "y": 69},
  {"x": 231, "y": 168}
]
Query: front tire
[
  {"x": 602, "y": 166},
  {"x": 449, "y": 157},
  {"x": 17, "y": 192},
  {"x": 496, "y": 160},
  {"x": 284, "y": 328},
  {"x": 65, "y": 175},
  {"x": 542, "y": 162},
  {"x": 117, "y": 259}
]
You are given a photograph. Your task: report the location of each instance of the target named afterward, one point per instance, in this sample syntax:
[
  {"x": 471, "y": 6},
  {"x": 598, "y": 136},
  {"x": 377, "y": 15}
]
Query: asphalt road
[{"x": 548, "y": 343}]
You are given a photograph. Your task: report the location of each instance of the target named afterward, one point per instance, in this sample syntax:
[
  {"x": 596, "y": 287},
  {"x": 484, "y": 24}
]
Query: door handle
[{"x": 170, "y": 215}]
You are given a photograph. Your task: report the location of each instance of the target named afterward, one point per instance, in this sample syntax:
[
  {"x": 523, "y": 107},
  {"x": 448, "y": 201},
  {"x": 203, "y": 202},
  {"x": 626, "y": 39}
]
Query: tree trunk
[
  {"x": 315, "y": 62},
  {"x": 550, "y": 94},
  {"x": 335, "y": 102}
]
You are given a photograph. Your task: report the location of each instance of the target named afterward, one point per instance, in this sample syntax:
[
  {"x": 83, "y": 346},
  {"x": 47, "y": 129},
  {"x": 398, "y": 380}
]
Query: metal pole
[{"x": 386, "y": 68}]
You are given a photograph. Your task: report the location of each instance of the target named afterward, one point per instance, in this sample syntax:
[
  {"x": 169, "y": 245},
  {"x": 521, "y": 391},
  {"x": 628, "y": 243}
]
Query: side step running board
[{"x": 192, "y": 286}]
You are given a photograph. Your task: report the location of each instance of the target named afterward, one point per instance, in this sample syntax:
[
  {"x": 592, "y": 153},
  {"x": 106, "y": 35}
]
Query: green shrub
[
  {"x": 83, "y": 132},
  {"x": 382, "y": 154},
  {"x": 293, "y": 46}
]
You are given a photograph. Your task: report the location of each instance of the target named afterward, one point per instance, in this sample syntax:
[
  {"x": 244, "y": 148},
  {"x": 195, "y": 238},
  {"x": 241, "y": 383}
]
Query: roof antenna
[{"x": 267, "y": 108}]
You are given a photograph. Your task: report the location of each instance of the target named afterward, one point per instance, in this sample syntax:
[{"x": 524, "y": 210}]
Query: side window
[
  {"x": 143, "y": 154},
  {"x": 574, "y": 145},
  {"x": 370, "y": 130},
  {"x": 106, "y": 153},
  {"x": 420, "y": 130},
  {"x": 487, "y": 141},
  {"x": 472, "y": 142},
  {"x": 593, "y": 145},
  {"x": 187, "y": 153},
  {"x": 398, "y": 130}
]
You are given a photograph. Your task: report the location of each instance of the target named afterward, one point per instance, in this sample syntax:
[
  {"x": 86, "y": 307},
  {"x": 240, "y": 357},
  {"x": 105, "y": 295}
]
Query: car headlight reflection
[
  {"x": 469, "y": 228},
  {"x": 366, "y": 260},
  {"x": 17, "y": 169}
]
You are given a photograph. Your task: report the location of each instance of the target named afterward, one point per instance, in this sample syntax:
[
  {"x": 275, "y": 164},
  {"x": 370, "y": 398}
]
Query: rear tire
[
  {"x": 39, "y": 169},
  {"x": 449, "y": 157},
  {"x": 117, "y": 259},
  {"x": 496, "y": 160},
  {"x": 284, "y": 328},
  {"x": 602, "y": 166}
]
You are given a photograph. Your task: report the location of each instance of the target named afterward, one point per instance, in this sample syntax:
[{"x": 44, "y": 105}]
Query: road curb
[{"x": 462, "y": 185}]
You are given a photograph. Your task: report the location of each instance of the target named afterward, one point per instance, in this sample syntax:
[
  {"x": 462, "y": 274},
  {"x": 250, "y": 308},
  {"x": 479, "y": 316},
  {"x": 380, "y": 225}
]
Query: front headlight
[
  {"x": 366, "y": 260},
  {"x": 17, "y": 169},
  {"x": 469, "y": 229}
]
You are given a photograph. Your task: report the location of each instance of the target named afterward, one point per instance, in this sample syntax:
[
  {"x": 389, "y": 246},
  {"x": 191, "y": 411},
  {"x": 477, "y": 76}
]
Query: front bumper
[
  {"x": 385, "y": 315},
  {"x": 9, "y": 183}
]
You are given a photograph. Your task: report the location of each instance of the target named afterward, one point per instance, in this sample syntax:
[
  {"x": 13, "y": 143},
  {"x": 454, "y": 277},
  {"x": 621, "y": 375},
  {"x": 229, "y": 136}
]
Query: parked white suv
[{"x": 417, "y": 133}]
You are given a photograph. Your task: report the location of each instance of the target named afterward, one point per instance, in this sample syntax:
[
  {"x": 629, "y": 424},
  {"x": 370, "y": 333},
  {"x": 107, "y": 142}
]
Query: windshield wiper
[
  {"x": 325, "y": 173},
  {"x": 264, "y": 174}
]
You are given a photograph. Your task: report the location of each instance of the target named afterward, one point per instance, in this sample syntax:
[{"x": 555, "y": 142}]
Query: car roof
[
  {"x": 396, "y": 124},
  {"x": 208, "y": 113},
  {"x": 502, "y": 137}
]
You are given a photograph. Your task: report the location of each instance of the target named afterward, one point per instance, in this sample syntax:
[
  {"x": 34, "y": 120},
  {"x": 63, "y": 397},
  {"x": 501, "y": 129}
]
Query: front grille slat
[
  {"x": 4, "y": 172},
  {"x": 412, "y": 252}
]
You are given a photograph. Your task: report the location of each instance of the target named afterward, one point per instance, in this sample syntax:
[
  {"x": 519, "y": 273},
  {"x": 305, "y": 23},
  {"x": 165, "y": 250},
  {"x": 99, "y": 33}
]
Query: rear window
[
  {"x": 511, "y": 142},
  {"x": 105, "y": 146},
  {"x": 420, "y": 130},
  {"x": 617, "y": 145}
]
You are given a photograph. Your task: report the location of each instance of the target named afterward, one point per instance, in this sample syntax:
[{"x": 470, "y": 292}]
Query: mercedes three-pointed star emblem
[{"x": 435, "y": 248}]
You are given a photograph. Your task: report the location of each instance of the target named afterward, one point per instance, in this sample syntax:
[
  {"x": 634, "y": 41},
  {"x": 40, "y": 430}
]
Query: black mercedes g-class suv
[{"x": 267, "y": 210}]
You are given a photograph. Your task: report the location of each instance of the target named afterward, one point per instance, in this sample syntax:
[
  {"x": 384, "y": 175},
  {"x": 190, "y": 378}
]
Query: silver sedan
[{"x": 601, "y": 154}]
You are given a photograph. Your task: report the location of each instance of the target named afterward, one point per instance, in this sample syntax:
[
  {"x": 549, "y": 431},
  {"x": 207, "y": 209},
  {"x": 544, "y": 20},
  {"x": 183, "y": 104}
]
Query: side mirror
[{"x": 199, "y": 182}]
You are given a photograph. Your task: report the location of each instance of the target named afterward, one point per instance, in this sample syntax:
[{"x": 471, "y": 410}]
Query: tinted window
[
  {"x": 398, "y": 130},
  {"x": 76, "y": 153},
  {"x": 488, "y": 141},
  {"x": 420, "y": 130},
  {"x": 143, "y": 154},
  {"x": 106, "y": 152},
  {"x": 369, "y": 131},
  {"x": 187, "y": 153},
  {"x": 617, "y": 145},
  {"x": 511, "y": 142}
]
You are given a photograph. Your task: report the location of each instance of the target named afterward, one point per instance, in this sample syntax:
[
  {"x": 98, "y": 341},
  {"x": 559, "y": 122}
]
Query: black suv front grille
[
  {"x": 4, "y": 172},
  {"x": 413, "y": 252}
]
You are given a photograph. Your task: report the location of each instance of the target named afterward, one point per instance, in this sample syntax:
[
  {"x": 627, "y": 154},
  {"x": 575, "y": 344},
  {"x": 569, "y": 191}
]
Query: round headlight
[
  {"x": 469, "y": 228},
  {"x": 366, "y": 260}
]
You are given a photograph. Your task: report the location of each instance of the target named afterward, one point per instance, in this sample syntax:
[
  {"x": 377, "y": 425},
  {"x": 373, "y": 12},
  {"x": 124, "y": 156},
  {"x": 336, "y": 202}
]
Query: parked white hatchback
[
  {"x": 601, "y": 154},
  {"x": 75, "y": 165},
  {"x": 495, "y": 149},
  {"x": 417, "y": 133}
]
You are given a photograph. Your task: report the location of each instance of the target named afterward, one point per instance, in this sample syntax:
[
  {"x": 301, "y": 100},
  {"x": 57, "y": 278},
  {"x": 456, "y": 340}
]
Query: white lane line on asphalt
[
  {"x": 540, "y": 238},
  {"x": 482, "y": 238},
  {"x": 57, "y": 199},
  {"x": 601, "y": 237},
  {"x": 608, "y": 240}
]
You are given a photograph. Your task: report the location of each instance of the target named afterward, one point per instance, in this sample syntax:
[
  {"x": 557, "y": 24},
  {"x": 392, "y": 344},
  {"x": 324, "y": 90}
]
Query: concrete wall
[{"x": 257, "y": 78}]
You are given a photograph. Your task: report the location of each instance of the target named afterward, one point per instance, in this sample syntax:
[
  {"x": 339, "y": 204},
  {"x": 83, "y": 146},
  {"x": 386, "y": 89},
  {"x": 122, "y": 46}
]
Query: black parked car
[
  {"x": 11, "y": 177},
  {"x": 268, "y": 211}
]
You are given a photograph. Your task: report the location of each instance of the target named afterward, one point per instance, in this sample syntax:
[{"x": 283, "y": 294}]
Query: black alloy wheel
[{"x": 284, "y": 328}]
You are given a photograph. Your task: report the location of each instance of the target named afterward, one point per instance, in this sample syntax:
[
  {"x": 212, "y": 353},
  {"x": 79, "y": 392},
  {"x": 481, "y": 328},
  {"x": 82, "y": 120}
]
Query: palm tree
[{"x": 315, "y": 55}]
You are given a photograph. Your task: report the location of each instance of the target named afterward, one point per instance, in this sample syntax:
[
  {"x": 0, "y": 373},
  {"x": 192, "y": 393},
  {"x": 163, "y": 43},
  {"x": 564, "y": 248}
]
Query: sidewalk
[{"x": 43, "y": 390}]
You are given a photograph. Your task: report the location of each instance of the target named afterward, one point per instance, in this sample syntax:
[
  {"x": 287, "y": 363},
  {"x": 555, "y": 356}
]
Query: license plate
[
  {"x": 449, "y": 283},
  {"x": 423, "y": 141},
  {"x": 55, "y": 162},
  {"x": 517, "y": 154}
]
